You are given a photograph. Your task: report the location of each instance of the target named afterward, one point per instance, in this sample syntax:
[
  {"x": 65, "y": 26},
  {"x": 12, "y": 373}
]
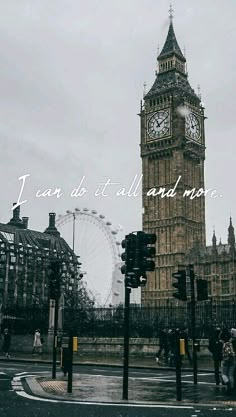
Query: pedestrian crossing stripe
[{"x": 16, "y": 382}]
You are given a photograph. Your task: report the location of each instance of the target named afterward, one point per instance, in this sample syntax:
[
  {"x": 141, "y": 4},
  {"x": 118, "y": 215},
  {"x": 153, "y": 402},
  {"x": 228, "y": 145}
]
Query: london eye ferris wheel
[{"x": 96, "y": 241}]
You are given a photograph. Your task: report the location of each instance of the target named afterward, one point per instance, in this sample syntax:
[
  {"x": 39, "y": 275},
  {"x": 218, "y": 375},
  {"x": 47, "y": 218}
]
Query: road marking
[
  {"x": 46, "y": 372},
  {"x": 183, "y": 375},
  {"x": 186, "y": 376},
  {"x": 133, "y": 373},
  {"x": 174, "y": 381},
  {"x": 16, "y": 383},
  {"x": 152, "y": 379},
  {"x": 2, "y": 373},
  {"x": 21, "y": 373},
  {"x": 144, "y": 405},
  {"x": 105, "y": 370}
]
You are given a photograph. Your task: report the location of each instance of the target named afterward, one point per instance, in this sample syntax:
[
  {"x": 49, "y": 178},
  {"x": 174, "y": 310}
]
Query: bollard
[
  {"x": 75, "y": 343},
  {"x": 182, "y": 346}
]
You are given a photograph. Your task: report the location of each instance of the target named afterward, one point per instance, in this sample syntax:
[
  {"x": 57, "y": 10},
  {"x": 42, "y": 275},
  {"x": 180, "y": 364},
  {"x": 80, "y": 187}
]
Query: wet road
[{"x": 13, "y": 404}]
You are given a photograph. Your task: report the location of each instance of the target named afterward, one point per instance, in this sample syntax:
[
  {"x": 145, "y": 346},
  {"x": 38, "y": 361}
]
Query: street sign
[{"x": 143, "y": 281}]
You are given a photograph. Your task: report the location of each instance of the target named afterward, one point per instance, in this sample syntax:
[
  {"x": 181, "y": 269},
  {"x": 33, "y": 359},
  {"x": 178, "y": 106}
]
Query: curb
[
  {"x": 36, "y": 390},
  {"x": 105, "y": 364}
]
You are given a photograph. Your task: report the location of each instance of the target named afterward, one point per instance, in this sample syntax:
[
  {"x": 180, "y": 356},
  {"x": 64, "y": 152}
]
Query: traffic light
[
  {"x": 129, "y": 244},
  {"x": 131, "y": 281},
  {"x": 54, "y": 280},
  {"x": 144, "y": 252},
  {"x": 137, "y": 258},
  {"x": 180, "y": 285},
  {"x": 202, "y": 290}
]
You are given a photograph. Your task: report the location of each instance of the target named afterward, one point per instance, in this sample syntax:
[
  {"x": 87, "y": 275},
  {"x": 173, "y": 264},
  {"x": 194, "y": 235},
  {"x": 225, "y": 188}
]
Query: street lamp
[{"x": 73, "y": 213}]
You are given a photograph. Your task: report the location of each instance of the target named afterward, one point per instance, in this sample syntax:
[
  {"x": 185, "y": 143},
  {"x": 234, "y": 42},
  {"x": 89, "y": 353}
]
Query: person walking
[
  {"x": 6, "y": 343},
  {"x": 233, "y": 339},
  {"x": 172, "y": 340},
  {"x": 65, "y": 360},
  {"x": 163, "y": 345},
  {"x": 216, "y": 349},
  {"x": 228, "y": 363},
  {"x": 184, "y": 335},
  {"x": 37, "y": 341}
]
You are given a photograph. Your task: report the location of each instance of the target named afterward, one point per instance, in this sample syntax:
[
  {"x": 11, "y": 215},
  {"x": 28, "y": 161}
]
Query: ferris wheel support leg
[{"x": 126, "y": 344}]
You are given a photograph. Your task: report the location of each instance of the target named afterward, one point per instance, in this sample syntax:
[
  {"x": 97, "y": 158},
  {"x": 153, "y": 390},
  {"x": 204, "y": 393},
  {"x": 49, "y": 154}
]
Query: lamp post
[
  {"x": 73, "y": 236},
  {"x": 73, "y": 213}
]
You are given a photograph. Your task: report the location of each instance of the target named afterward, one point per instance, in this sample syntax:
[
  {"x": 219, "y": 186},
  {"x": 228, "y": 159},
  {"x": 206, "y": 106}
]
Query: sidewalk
[
  {"x": 108, "y": 389},
  {"x": 100, "y": 388}
]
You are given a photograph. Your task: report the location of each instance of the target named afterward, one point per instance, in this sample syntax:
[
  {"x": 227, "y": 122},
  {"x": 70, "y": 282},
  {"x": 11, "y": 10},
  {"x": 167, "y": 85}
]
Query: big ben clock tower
[{"x": 173, "y": 154}]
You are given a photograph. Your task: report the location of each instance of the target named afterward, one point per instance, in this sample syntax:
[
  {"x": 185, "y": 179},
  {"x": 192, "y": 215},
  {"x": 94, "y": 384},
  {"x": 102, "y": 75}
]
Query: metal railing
[{"x": 108, "y": 322}]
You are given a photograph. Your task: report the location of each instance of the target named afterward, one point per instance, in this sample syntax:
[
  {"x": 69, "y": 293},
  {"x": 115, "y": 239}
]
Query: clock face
[
  {"x": 192, "y": 126},
  {"x": 159, "y": 124}
]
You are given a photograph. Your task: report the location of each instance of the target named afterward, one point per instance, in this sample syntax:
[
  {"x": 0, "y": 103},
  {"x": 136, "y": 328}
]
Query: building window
[
  {"x": 209, "y": 288},
  {"x": 225, "y": 287},
  {"x": 207, "y": 269},
  {"x": 225, "y": 268}
]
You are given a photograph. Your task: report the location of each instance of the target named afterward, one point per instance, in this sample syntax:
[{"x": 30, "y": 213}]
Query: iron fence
[{"x": 108, "y": 322}]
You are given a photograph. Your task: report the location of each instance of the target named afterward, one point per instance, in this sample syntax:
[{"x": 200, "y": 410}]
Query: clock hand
[{"x": 164, "y": 119}]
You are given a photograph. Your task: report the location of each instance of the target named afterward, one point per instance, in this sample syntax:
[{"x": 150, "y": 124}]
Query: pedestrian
[
  {"x": 163, "y": 345},
  {"x": 6, "y": 343},
  {"x": 184, "y": 335},
  {"x": 233, "y": 336},
  {"x": 172, "y": 340},
  {"x": 228, "y": 363},
  {"x": 65, "y": 360},
  {"x": 216, "y": 348},
  {"x": 37, "y": 341}
]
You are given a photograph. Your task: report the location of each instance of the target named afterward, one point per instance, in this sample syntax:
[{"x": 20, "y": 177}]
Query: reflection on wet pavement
[{"x": 109, "y": 389}]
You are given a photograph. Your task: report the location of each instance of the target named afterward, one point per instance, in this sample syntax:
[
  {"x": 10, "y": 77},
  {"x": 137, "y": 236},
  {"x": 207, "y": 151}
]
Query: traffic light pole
[
  {"x": 126, "y": 344},
  {"x": 54, "y": 352},
  {"x": 178, "y": 369},
  {"x": 70, "y": 364},
  {"x": 193, "y": 320}
]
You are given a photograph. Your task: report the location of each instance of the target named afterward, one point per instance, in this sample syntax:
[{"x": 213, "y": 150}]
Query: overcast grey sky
[{"x": 71, "y": 78}]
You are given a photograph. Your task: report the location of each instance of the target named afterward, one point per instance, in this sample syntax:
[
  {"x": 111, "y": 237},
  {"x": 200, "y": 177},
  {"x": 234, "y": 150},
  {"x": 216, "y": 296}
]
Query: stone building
[
  {"x": 216, "y": 264},
  {"x": 173, "y": 155},
  {"x": 24, "y": 260}
]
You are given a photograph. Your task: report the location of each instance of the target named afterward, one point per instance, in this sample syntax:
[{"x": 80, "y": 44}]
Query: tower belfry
[{"x": 173, "y": 154}]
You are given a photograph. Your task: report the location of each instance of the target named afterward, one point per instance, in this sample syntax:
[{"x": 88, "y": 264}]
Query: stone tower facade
[{"x": 173, "y": 154}]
